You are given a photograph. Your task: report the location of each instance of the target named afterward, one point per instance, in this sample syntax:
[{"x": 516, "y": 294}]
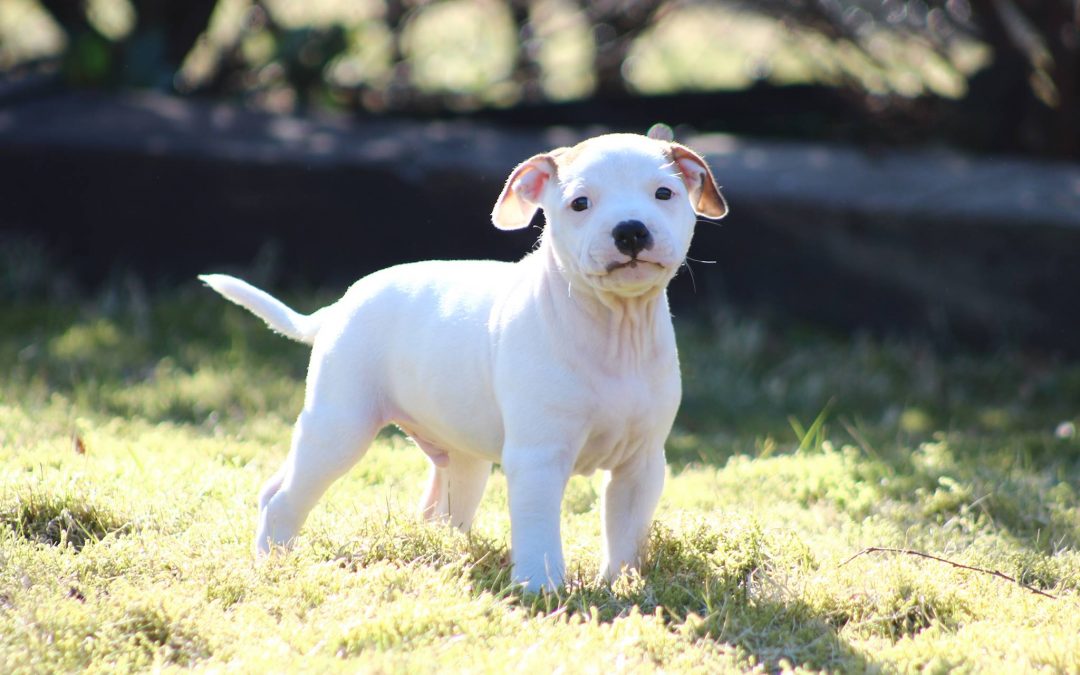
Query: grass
[{"x": 134, "y": 435}]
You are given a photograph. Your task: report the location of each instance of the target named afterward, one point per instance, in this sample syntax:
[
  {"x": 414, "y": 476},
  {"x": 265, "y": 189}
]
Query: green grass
[{"x": 130, "y": 548}]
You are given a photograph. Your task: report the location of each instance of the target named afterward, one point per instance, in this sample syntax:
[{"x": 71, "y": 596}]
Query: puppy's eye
[
  {"x": 663, "y": 193},
  {"x": 580, "y": 204}
]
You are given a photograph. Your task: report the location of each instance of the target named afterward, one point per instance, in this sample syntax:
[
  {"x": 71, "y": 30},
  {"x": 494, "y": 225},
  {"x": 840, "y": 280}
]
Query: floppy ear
[
  {"x": 698, "y": 177},
  {"x": 520, "y": 196}
]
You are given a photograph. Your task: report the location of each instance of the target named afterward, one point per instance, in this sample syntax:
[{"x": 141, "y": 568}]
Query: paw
[{"x": 538, "y": 577}]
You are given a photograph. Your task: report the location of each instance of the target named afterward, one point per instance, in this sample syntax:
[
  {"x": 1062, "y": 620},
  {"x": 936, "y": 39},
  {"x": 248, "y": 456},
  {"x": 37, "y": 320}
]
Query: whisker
[
  {"x": 707, "y": 262},
  {"x": 693, "y": 281}
]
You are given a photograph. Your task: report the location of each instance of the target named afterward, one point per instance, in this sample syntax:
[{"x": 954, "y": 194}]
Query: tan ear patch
[
  {"x": 697, "y": 175},
  {"x": 520, "y": 197}
]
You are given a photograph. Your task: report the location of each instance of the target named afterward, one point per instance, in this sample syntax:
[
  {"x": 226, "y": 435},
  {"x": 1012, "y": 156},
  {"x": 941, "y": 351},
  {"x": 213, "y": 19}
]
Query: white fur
[{"x": 550, "y": 366}]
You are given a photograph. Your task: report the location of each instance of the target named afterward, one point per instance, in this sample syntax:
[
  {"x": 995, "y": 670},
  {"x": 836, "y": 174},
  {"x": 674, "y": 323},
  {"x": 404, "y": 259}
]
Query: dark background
[{"x": 165, "y": 138}]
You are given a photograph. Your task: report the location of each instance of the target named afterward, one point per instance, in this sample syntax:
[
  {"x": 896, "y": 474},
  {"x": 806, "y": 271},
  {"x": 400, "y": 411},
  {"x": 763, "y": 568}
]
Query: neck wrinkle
[{"x": 627, "y": 324}]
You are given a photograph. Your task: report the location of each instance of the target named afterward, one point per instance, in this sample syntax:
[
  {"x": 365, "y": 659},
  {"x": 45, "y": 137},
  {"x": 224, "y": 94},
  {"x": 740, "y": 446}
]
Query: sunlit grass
[{"x": 134, "y": 436}]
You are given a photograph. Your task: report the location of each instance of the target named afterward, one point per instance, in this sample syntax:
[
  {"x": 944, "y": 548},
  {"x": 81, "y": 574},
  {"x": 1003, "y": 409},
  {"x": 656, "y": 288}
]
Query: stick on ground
[{"x": 908, "y": 551}]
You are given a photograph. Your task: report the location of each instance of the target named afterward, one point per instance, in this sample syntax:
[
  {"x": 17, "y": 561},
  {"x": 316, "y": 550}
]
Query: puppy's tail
[{"x": 276, "y": 314}]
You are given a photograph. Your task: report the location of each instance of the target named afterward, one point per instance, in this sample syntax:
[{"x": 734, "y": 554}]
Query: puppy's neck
[
  {"x": 632, "y": 334},
  {"x": 624, "y": 331}
]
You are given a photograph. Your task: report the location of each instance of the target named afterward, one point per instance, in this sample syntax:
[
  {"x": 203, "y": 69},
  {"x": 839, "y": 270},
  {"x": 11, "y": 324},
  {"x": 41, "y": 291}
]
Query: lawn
[{"x": 136, "y": 429}]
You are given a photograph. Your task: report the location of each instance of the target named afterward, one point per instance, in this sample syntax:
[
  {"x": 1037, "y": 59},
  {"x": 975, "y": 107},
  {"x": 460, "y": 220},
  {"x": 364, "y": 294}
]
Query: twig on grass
[{"x": 908, "y": 551}]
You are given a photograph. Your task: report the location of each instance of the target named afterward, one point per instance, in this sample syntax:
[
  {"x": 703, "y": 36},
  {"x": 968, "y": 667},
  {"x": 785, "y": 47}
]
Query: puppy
[{"x": 561, "y": 363}]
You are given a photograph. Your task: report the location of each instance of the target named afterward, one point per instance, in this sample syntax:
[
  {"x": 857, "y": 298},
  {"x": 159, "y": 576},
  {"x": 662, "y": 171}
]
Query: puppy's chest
[{"x": 631, "y": 414}]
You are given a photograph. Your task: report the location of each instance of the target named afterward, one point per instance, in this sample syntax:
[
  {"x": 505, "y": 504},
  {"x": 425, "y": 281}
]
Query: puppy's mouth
[{"x": 632, "y": 264}]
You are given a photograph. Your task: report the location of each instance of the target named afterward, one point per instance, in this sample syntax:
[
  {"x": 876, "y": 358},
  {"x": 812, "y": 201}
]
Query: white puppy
[{"x": 561, "y": 363}]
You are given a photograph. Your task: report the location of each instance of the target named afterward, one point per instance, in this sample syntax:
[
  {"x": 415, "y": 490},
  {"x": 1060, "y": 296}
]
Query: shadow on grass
[
  {"x": 61, "y": 519},
  {"x": 181, "y": 359},
  {"x": 703, "y": 584},
  {"x": 1019, "y": 487}
]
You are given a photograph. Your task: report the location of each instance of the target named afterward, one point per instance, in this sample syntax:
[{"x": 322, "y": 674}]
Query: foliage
[
  {"x": 134, "y": 436},
  {"x": 1034, "y": 65},
  {"x": 1014, "y": 63}
]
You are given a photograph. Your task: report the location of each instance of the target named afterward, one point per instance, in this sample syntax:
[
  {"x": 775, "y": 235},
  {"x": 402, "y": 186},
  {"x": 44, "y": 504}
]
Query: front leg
[
  {"x": 536, "y": 479},
  {"x": 631, "y": 493}
]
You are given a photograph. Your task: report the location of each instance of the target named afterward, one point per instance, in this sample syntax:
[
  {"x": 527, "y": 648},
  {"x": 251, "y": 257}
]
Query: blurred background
[
  {"x": 991, "y": 75},
  {"x": 907, "y": 165}
]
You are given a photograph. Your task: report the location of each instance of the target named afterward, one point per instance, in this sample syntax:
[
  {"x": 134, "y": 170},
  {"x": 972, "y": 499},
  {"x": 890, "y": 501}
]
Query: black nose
[{"x": 631, "y": 237}]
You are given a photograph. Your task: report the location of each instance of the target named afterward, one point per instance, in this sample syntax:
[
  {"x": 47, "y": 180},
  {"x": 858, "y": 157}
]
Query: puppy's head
[{"x": 620, "y": 208}]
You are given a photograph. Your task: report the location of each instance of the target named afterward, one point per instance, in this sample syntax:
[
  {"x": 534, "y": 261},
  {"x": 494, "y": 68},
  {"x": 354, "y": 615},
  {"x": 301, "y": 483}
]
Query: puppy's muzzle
[{"x": 632, "y": 237}]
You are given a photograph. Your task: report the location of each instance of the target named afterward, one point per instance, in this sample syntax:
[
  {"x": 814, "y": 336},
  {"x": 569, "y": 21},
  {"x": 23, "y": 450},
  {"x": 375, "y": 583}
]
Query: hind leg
[
  {"x": 332, "y": 433},
  {"x": 325, "y": 445},
  {"x": 270, "y": 488},
  {"x": 454, "y": 490}
]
